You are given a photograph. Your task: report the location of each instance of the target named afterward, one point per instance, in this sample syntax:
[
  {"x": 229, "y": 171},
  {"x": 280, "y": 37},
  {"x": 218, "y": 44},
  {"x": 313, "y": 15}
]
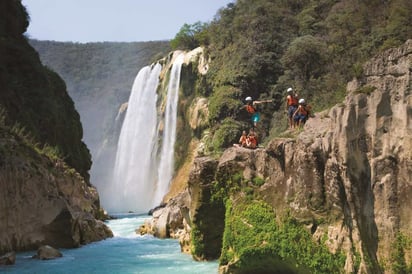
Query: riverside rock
[
  {"x": 8, "y": 258},
  {"x": 170, "y": 221},
  {"x": 47, "y": 252}
]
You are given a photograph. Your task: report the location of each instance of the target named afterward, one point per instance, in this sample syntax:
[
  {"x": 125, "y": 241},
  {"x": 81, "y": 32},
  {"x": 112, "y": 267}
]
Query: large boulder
[
  {"x": 191, "y": 214},
  {"x": 170, "y": 221}
]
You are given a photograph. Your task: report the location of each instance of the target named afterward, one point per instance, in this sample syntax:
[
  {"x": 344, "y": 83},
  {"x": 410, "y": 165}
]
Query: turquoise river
[{"x": 125, "y": 253}]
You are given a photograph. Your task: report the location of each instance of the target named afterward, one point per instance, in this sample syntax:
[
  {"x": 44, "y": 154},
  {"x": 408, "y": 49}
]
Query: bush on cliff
[{"x": 254, "y": 241}]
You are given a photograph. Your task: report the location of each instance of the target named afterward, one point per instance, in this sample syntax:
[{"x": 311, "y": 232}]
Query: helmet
[
  {"x": 301, "y": 101},
  {"x": 248, "y": 98},
  {"x": 289, "y": 89}
]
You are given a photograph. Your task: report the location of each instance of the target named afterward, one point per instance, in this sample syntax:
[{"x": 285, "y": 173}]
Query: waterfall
[
  {"x": 166, "y": 165},
  {"x": 135, "y": 166},
  {"x": 141, "y": 175}
]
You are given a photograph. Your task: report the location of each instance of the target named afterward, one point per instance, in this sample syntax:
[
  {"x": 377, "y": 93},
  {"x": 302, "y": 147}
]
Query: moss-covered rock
[
  {"x": 207, "y": 214},
  {"x": 254, "y": 242}
]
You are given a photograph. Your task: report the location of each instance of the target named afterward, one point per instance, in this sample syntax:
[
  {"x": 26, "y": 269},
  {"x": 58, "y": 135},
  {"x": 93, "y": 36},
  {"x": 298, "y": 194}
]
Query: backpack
[{"x": 308, "y": 110}]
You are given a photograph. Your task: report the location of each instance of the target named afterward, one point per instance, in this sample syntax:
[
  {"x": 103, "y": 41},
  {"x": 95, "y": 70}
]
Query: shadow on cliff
[{"x": 360, "y": 179}]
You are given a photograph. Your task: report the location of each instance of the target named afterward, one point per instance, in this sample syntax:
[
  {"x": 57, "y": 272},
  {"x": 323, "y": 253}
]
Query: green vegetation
[
  {"x": 316, "y": 47},
  {"x": 25, "y": 145},
  {"x": 254, "y": 242},
  {"x": 198, "y": 243},
  {"x": 190, "y": 36},
  {"x": 234, "y": 183},
  {"x": 401, "y": 244},
  {"x": 365, "y": 90},
  {"x": 227, "y": 186},
  {"x": 226, "y": 134},
  {"x": 207, "y": 228},
  {"x": 99, "y": 69},
  {"x": 257, "y": 181}
]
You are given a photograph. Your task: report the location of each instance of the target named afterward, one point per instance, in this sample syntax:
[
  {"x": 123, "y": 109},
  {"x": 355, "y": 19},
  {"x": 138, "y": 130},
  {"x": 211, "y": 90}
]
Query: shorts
[
  {"x": 255, "y": 117},
  {"x": 300, "y": 117},
  {"x": 291, "y": 110}
]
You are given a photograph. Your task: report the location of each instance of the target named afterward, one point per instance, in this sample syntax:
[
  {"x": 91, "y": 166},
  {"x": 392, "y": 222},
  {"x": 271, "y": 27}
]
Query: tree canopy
[
  {"x": 190, "y": 36},
  {"x": 261, "y": 47}
]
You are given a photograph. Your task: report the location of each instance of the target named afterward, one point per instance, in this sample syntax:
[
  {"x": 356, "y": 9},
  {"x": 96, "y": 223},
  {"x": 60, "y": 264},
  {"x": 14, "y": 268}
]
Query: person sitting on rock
[
  {"x": 242, "y": 140},
  {"x": 251, "y": 139}
]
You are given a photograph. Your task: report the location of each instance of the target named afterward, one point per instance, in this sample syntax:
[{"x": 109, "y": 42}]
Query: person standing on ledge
[
  {"x": 251, "y": 108},
  {"x": 291, "y": 106}
]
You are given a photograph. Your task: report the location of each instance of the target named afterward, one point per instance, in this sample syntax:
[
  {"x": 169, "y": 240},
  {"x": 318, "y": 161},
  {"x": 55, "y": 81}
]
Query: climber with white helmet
[
  {"x": 251, "y": 108},
  {"x": 301, "y": 113},
  {"x": 291, "y": 105}
]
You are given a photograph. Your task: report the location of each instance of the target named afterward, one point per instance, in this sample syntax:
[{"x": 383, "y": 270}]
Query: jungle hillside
[{"x": 260, "y": 48}]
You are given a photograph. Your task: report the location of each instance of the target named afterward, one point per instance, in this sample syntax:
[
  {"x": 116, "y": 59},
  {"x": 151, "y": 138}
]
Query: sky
[{"x": 115, "y": 20}]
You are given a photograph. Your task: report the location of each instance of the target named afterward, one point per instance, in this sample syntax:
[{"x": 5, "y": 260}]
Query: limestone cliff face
[
  {"x": 43, "y": 201},
  {"x": 347, "y": 177}
]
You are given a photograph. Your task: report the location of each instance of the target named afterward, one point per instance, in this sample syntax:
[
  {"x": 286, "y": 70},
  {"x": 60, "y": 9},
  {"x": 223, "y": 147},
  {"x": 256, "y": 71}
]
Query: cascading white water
[
  {"x": 133, "y": 184},
  {"x": 166, "y": 165},
  {"x": 141, "y": 176}
]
